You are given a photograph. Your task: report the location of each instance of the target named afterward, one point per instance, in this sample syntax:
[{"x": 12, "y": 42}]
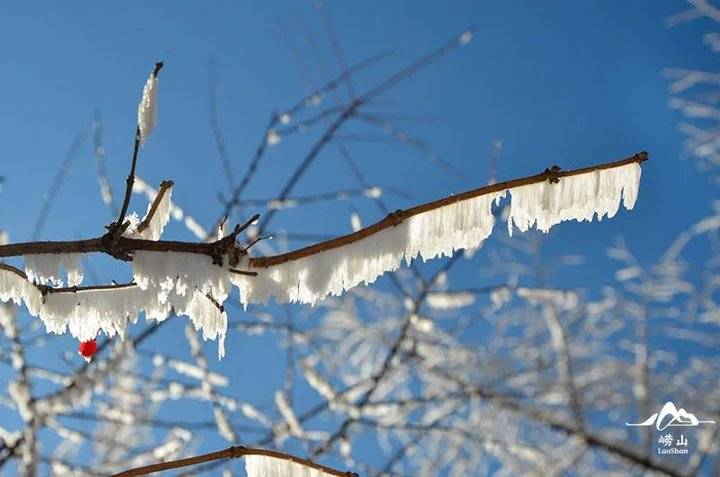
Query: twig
[
  {"x": 335, "y": 42},
  {"x": 215, "y": 127},
  {"x": 394, "y": 218},
  {"x": 164, "y": 188},
  {"x": 275, "y": 117},
  {"x": 133, "y": 164},
  {"x": 106, "y": 192},
  {"x": 310, "y": 157},
  {"x": 57, "y": 183},
  {"x": 231, "y": 453},
  {"x": 324, "y": 196}
]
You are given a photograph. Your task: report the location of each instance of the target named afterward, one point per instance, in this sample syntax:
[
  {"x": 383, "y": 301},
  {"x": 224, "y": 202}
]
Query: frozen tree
[{"x": 418, "y": 378}]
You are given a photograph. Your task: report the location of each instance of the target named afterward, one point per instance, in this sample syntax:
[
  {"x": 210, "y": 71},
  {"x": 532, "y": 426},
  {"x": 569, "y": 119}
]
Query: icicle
[{"x": 266, "y": 466}]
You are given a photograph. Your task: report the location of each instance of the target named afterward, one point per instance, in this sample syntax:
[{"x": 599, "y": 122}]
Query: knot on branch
[
  {"x": 228, "y": 245},
  {"x": 553, "y": 174},
  {"x": 111, "y": 241},
  {"x": 395, "y": 217}
]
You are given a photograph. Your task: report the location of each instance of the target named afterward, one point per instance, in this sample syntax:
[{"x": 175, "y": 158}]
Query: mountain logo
[{"x": 670, "y": 416}]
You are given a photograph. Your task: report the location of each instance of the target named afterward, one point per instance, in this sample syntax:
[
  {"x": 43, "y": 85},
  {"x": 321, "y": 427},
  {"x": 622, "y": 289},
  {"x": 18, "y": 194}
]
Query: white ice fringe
[
  {"x": 157, "y": 222},
  {"x": 579, "y": 197},
  {"x": 44, "y": 268},
  {"x": 442, "y": 231},
  {"x": 147, "y": 108},
  {"x": 87, "y": 312},
  {"x": 17, "y": 289},
  {"x": 161, "y": 217},
  {"x": 176, "y": 273},
  {"x": 431, "y": 234},
  {"x": 266, "y": 466},
  {"x": 177, "y": 213},
  {"x": 187, "y": 282},
  {"x": 190, "y": 284}
]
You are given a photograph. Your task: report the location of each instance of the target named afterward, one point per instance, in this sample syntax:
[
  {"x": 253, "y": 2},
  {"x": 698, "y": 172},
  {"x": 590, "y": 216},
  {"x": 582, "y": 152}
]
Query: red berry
[{"x": 87, "y": 349}]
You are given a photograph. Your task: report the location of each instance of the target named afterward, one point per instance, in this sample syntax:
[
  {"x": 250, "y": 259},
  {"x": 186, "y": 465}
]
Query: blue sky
[{"x": 567, "y": 83}]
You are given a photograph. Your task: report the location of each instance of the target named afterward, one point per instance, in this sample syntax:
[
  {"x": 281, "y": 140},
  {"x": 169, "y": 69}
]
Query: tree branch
[
  {"x": 396, "y": 217},
  {"x": 231, "y": 453},
  {"x": 165, "y": 187},
  {"x": 131, "y": 176}
]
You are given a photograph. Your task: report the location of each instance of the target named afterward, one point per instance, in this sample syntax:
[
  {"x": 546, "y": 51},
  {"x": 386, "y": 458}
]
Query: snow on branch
[
  {"x": 440, "y": 228},
  {"x": 156, "y": 218},
  {"x": 147, "y": 109},
  {"x": 176, "y": 213},
  {"x": 258, "y": 463},
  {"x": 194, "y": 279}
]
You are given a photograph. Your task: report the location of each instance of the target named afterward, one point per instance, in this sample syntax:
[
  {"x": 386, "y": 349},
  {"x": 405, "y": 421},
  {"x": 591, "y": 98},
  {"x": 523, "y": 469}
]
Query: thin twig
[
  {"x": 133, "y": 164},
  {"x": 164, "y": 188},
  {"x": 57, "y": 183},
  {"x": 106, "y": 192}
]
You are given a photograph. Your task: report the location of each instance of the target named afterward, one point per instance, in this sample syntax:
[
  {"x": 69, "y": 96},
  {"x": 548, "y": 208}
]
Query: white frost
[
  {"x": 87, "y": 312},
  {"x": 190, "y": 284},
  {"x": 450, "y": 300},
  {"x": 579, "y": 197},
  {"x": 434, "y": 233},
  {"x": 17, "y": 289},
  {"x": 266, "y": 466},
  {"x": 272, "y": 137},
  {"x": 355, "y": 222},
  {"x": 44, "y": 268},
  {"x": 147, "y": 113},
  {"x": 440, "y": 232},
  {"x": 155, "y": 224},
  {"x": 288, "y": 414},
  {"x": 566, "y": 299}
]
